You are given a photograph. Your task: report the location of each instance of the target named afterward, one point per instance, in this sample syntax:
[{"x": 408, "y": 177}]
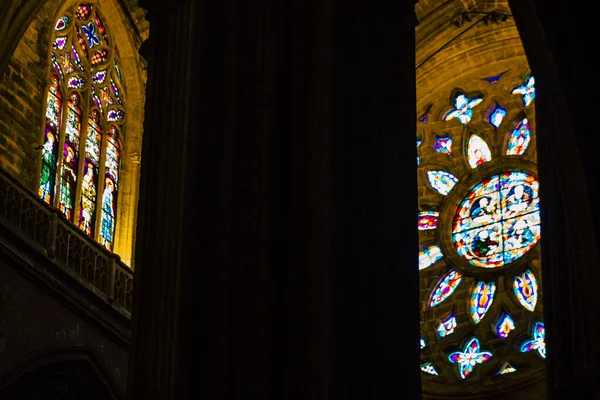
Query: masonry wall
[
  {"x": 22, "y": 90},
  {"x": 35, "y": 322}
]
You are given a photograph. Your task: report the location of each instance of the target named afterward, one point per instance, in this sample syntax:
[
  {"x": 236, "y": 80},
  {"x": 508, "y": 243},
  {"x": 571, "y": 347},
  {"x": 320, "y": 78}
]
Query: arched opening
[{"x": 69, "y": 374}]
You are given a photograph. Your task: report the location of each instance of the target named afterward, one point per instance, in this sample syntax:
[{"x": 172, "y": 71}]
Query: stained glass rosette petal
[
  {"x": 447, "y": 326},
  {"x": 441, "y": 181},
  {"x": 445, "y": 287},
  {"x": 478, "y": 152},
  {"x": 526, "y": 289},
  {"x": 538, "y": 342},
  {"x": 429, "y": 256},
  {"x": 481, "y": 300}
]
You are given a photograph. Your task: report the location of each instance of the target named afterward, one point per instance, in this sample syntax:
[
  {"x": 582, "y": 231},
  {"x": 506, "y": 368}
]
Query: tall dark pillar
[
  {"x": 276, "y": 246},
  {"x": 557, "y": 44},
  {"x": 375, "y": 279}
]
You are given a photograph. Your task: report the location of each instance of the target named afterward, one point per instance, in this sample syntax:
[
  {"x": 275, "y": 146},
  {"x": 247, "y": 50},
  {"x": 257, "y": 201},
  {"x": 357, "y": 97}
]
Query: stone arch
[{"x": 76, "y": 372}]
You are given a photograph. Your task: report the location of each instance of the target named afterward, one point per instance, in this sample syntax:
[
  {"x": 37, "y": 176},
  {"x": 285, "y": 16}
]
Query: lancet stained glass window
[{"x": 84, "y": 69}]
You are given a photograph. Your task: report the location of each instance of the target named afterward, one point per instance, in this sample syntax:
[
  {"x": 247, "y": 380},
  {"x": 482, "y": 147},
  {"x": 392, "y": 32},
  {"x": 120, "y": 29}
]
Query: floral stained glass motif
[
  {"x": 447, "y": 326},
  {"x": 50, "y": 146},
  {"x": 89, "y": 183},
  {"x": 478, "y": 152},
  {"x": 429, "y": 256},
  {"x": 423, "y": 344},
  {"x": 111, "y": 184},
  {"x": 92, "y": 37},
  {"x": 443, "y": 145},
  {"x": 428, "y": 368},
  {"x": 538, "y": 342},
  {"x": 445, "y": 287},
  {"x": 498, "y": 221},
  {"x": 469, "y": 357},
  {"x": 70, "y": 161},
  {"x": 427, "y": 220},
  {"x": 482, "y": 297},
  {"x": 441, "y": 181},
  {"x": 497, "y": 116},
  {"x": 506, "y": 369},
  {"x": 526, "y": 289},
  {"x": 463, "y": 110},
  {"x": 527, "y": 90},
  {"x": 519, "y": 139},
  {"x": 504, "y": 326}
]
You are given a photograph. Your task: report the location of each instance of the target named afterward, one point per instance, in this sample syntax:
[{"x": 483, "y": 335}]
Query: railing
[{"x": 45, "y": 228}]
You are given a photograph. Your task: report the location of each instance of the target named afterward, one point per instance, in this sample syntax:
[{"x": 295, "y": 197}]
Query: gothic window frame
[{"x": 90, "y": 38}]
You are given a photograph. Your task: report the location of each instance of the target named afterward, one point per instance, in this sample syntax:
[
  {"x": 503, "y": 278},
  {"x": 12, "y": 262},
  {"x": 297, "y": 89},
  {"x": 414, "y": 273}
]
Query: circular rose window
[{"x": 498, "y": 221}]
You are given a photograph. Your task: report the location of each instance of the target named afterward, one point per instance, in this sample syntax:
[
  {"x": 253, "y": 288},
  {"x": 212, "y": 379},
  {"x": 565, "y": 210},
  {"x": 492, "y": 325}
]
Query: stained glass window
[
  {"x": 70, "y": 161},
  {"x": 111, "y": 184},
  {"x": 526, "y": 289},
  {"x": 481, "y": 299},
  {"x": 429, "y": 256},
  {"x": 445, "y": 287},
  {"x": 498, "y": 221},
  {"x": 463, "y": 110},
  {"x": 506, "y": 369},
  {"x": 478, "y": 151},
  {"x": 527, "y": 90},
  {"x": 478, "y": 250},
  {"x": 427, "y": 220},
  {"x": 51, "y": 138},
  {"x": 447, "y": 326},
  {"x": 89, "y": 185},
  {"x": 538, "y": 341},
  {"x": 497, "y": 116},
  {"x": 84, "y": 68},
  {"x": 443, "y": 145},
  {"x": 441, "y": 181},
  {"x": 428, "y": 368},
  {"x": 423, "y": 344},
  {"x": 469, "y": 357},
  {"x": 504, "y": 326},
  {"x": 519, "y": 139}
]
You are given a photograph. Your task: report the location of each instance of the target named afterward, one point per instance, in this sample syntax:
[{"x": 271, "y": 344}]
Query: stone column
[
  {"x": 375, "y": 280},
  {"x": 568, "y": 170},
  {"x": 276, "y": 241}
]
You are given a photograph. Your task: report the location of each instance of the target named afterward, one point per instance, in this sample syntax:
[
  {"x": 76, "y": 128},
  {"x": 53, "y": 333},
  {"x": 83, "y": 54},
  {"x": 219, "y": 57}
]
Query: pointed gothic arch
[{"x": 73, "y": 373}]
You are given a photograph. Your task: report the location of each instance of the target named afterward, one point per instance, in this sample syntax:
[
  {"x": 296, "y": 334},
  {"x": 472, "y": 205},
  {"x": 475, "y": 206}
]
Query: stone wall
[{"x": 34, "y": 321}]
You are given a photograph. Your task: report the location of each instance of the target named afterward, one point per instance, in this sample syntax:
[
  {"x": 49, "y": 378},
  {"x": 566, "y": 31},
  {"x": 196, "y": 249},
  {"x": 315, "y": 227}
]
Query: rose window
[{"x": 479, "y": 230}]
